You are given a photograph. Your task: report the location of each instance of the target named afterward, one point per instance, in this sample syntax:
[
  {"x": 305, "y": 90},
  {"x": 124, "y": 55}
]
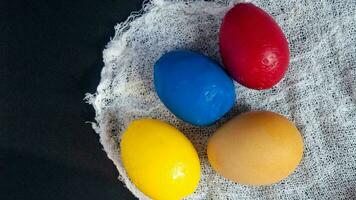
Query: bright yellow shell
[
  {"x": 160, "y": 160},
  {"x": 256, "y": 148}
]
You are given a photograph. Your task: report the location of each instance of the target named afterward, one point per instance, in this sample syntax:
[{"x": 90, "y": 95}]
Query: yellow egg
[
  {"x": 159, "y": 160},
  {"x": 256, "y": 148}
]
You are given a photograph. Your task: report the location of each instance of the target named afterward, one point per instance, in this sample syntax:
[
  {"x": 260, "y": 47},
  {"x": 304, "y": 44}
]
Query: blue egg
[{"x": 193, "y": 87}]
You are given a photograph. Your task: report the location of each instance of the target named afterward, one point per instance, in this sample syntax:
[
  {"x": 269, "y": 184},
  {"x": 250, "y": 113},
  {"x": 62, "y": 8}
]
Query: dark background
[{"x": 50, "y": 56}]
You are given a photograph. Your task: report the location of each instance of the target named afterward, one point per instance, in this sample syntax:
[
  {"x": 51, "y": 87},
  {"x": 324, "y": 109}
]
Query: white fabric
[{"x": 318, "y": 93}]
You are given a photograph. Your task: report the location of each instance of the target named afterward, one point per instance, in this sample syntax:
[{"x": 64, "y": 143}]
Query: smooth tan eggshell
[{"x": 256, "y": 148}]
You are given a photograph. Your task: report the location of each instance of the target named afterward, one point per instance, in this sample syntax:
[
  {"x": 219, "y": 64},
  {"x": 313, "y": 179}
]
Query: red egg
[{"x": 253, "y": 47}]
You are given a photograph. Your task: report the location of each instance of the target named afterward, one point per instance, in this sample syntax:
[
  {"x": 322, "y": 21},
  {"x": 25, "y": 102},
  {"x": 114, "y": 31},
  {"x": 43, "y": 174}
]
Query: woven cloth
[{"x": 318, "y": 92}]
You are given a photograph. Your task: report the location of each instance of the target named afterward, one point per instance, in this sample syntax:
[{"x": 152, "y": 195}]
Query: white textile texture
[{"x": 318, "y": 92}]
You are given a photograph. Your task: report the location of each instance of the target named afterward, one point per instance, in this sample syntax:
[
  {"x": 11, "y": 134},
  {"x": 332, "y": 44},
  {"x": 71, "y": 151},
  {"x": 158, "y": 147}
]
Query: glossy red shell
[{"x": 253, "y": 48}]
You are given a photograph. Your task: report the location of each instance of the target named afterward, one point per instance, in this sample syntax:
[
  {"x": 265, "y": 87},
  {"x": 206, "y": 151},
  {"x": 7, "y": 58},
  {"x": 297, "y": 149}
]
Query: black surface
[{"x": 50, "y": 56}]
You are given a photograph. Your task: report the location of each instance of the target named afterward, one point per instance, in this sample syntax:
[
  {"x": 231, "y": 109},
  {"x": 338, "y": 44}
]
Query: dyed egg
[
  {"x": 159, "y": 160},
  {"x": 256, "y": 148},
  {"x": 193, "y": 87},
  {"x": 253, "y": 47}
]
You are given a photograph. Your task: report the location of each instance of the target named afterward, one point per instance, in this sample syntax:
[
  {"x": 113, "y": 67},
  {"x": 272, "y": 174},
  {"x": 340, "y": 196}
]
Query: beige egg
[{"x": 256, "y": 148}]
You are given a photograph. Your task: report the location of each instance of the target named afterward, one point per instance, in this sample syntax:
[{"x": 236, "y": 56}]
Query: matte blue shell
[{"x": 193, "y": 87}]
